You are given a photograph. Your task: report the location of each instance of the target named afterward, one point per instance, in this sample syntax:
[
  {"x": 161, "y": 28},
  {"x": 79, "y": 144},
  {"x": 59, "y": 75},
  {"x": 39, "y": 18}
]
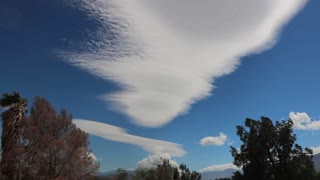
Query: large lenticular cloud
[
  {"x": 114, "y": 133},
  {"x": 166, "y": 54}
]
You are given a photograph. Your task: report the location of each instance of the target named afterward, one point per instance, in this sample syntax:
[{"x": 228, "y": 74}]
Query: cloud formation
[
  {"x": 316, "y": 150},
  {"x": 166, "y": 54},
  {"x": 91, "y": 155},
  {"x": 217, "y": 141},
  {"x": 302, "y": 121},
  {"x": 153, "y": 161},
  {"x": 117, "y": 134},
  {"x": 221, "y": 167}
]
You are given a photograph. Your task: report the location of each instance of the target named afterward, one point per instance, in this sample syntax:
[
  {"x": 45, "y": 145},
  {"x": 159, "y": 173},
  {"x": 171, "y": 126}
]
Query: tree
[
  {"x": 145, "y": 174},
  {"x": 269, "y": 152},
  {"x": 11, "y": 133},
  {"x": 122, "y": 174},
  {"x": 317, "y": 176},
  {"x": 186, "y": 174},
  {"x": 176, "y": 174},
  {"x": 56, "y": 147},
  {"x": 165, "y": 171},
  {"x": 43, "y": 145}
]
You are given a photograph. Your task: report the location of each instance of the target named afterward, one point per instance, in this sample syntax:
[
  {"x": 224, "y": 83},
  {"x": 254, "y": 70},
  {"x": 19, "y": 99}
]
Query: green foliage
[
  {"x": 269, "y": 152},
  {"x": 317, "y": 176},
  {"x": 9, "y": 100},
  {"x": 166, "y": 172},
  {"x": 186, "y": 174},
  {"x": 122, "y": 174}
]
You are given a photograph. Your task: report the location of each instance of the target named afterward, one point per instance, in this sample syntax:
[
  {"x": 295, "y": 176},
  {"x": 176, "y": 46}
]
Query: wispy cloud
[
  {"x": 217, "y": 141},
  {"x": 316, "y": 150},
  {"x": 154, "y": 160},
  {"x": 167, "y": 54},
  {"x": 220, "y": 167},
  {"x": 302, "y": 121},
  {"x": 115, "y": 133}
]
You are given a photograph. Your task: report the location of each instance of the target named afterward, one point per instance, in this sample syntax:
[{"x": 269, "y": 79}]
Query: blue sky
[{"x": 175, "y": 72}]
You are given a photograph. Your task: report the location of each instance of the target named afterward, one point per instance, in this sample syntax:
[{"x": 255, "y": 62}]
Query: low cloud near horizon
[
  {"x": 167, "y": 54},
  {"x": 114, "y": 133},
  {"x": 316, "y": 150},
  {"x": 220, "y": 167},
  {"x": 152, "y": 161}
]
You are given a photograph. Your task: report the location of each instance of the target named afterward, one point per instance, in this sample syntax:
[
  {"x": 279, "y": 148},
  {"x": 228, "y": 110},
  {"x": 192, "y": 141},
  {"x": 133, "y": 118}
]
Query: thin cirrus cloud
[
  {"x": 302, "y": 121},
  {"x": 216, "y": 141},
  {"x": 166, "y": 54},
  {"x": 117, "y": 134}
]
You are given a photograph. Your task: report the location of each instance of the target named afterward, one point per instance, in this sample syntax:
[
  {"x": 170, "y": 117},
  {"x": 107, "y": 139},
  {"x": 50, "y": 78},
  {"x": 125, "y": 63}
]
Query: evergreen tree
[
  {"x": 269, "y": 152},
  {"x": 165, "y": 171}
]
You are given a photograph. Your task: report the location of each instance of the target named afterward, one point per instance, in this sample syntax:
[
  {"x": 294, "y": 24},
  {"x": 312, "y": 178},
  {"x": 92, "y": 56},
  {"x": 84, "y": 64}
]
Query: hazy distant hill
[
  {"x": 316, "y": 160},
  {"x": 205, "y": 175},
  {"x": 217, "y": 174},
  {"x": 229, "y": 172},
  {"x": 111, "y": 174},
  {"x": 213, "y": 174}
]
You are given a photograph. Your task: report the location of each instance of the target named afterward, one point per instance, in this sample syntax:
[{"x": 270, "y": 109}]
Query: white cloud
[
  {"x": 131, "y": 169},
  {"x": 115, "y": 133},
  {"x": 217, "y": 141},
  {"x": 316, "y": 150},
  {"x": 167, "y": 54},
  {"x": 92, "y": 156},
  {"x": 221, "y": 167},
  {"x": 153, "y": 161},
  {"x": 302, "y": 121}
]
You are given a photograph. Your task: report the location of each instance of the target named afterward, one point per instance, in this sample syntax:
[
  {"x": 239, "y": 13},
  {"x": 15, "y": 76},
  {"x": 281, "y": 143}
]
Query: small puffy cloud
[
  {"x": 316, "y": 150},
  {"x": 166, "y": 54},
  {"x": 153, "y": 161},
  {"x": 221, "y": 167},
  {"x": 92, "y": 156},
  {"x": 217, "y": 141},
  {"x": 117, "y": 134},
  {"x": 302, "y": 121}
]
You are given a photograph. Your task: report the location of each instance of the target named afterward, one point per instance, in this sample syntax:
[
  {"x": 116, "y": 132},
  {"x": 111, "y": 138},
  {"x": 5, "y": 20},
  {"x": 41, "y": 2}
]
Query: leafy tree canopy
[
  {"x": 269, "y": 152},
  {"x": 44, "y": 144},
  {"x": 165, "y": 171},
  {"x": 9, "y": 100}
]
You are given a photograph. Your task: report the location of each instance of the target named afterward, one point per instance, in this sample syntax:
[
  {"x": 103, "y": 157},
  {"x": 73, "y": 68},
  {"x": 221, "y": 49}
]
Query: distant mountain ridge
[
  {"x": 213, "y": 174},
  {"x": 227, "y": 173}
]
